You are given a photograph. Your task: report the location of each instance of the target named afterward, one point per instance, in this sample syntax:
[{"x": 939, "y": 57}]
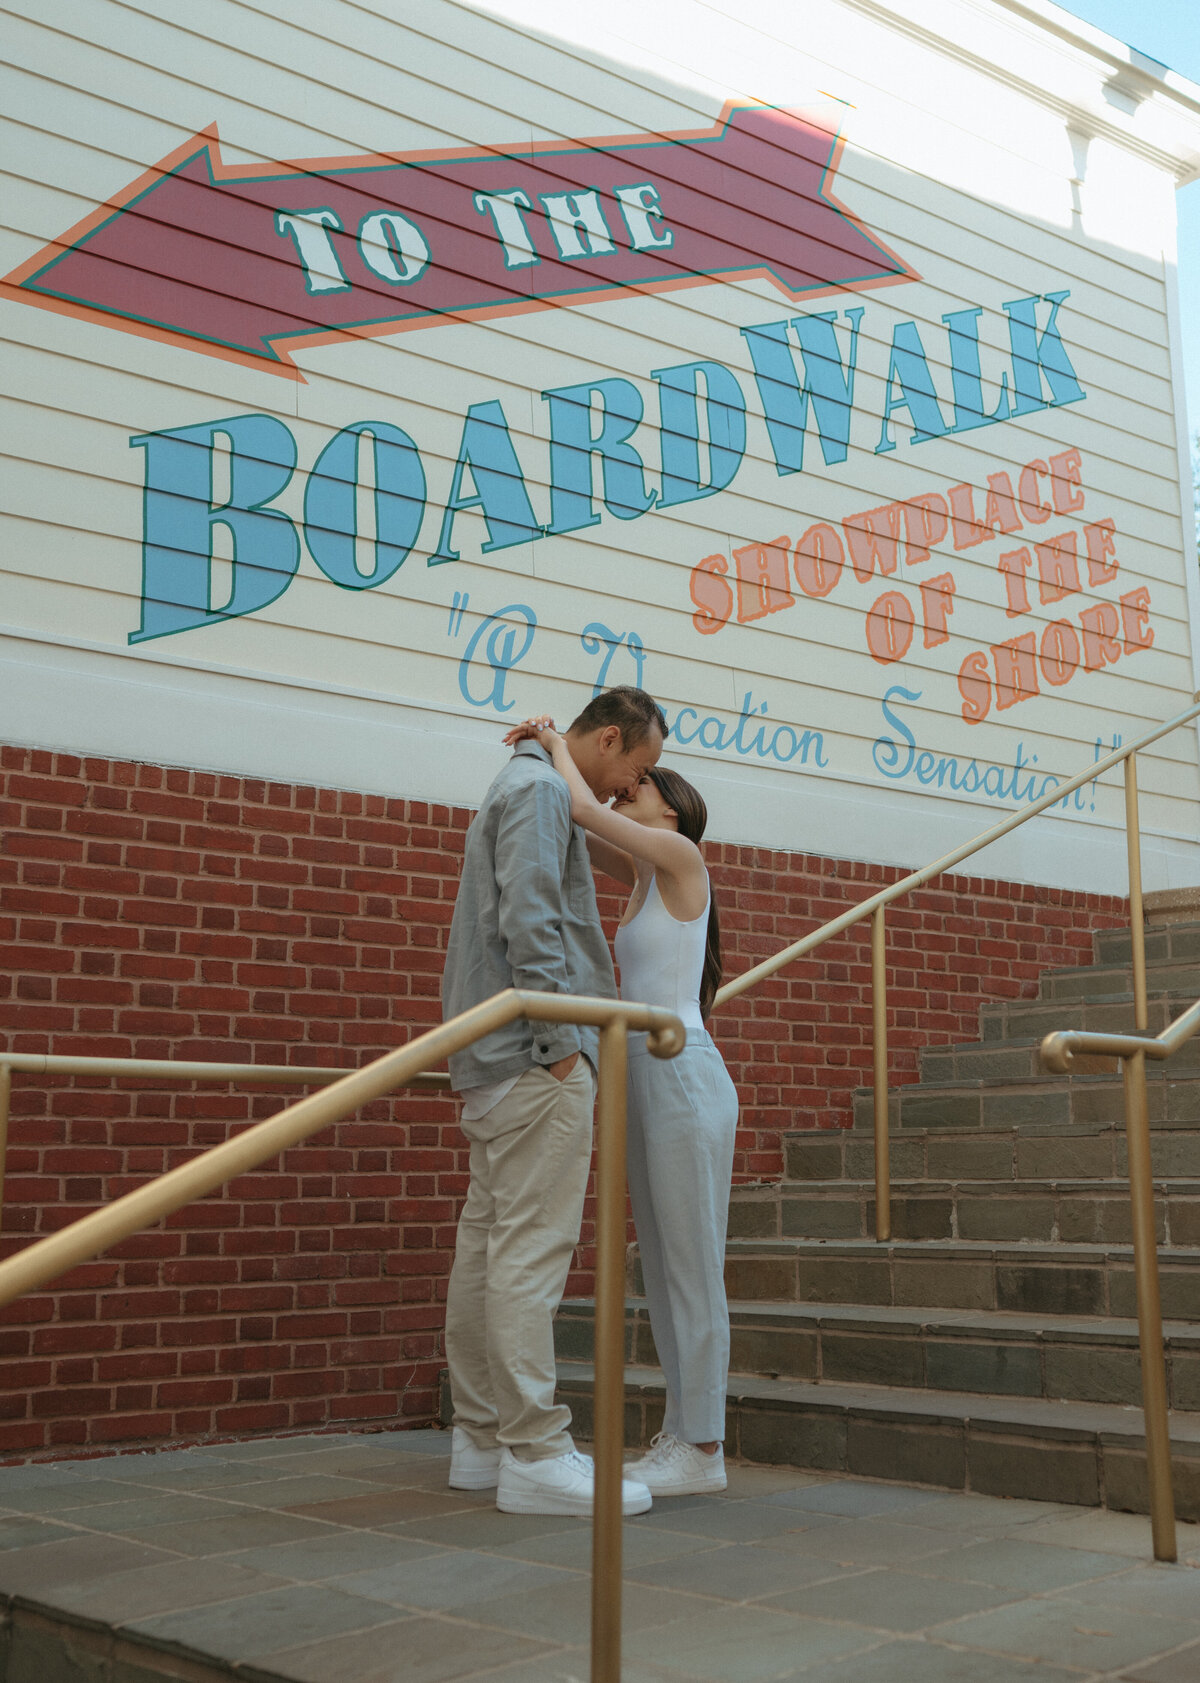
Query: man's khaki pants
[{"x": 516, "y": 1236}]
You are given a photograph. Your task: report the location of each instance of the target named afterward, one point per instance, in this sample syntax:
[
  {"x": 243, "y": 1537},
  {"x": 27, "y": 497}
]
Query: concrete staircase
[{"x": 991, "y": 1344}]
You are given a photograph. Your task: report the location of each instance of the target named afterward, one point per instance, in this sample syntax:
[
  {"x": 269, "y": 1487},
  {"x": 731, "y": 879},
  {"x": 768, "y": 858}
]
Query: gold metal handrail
[
  {"x": 344, "y": 1093},
  {"x": 875, "y": 907},
  {"x": 347, "y": 1092},
  {"x": 168, "y": 1069},
  {"x": 1057, "y": 1053}
]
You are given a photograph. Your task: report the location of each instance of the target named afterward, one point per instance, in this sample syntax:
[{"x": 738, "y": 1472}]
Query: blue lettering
[
  {"x": 501, "y": 652},
  {"x": 1036, "y": 353},
  {"x": 716, "y": 738},
  {"x": 966, "y": 376},
  {"x": 595, "y": 637},
  {"x": 573, "y": 444},
  {"x": 750, "y": 710},
  {"x": 828, "y": 382},
  {"x": 947, "y": 769},
  {"x": 331, "y": 501},
  {"x": 909, "y": 366},
  {"x": 486, "y": 449},
  {"x": 887, "y": 756},
  {"x": 815, "y": 740},
  {"x": 679, "y": 410},
  {"x": 677, "y": 727},
  {"x": 785, "y": 744},
  {"x": 997, "y": 783},
  {"x": 179, "y": 515},
  {"x": 1019, "y": 793}
]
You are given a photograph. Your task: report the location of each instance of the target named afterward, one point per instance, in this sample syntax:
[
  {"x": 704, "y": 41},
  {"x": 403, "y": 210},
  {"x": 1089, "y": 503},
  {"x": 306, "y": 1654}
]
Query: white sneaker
[
  {"x": 674, "y": 1468},
  {"x": 472, "y": 1468},
  {"x": 561, "y": 1485}
]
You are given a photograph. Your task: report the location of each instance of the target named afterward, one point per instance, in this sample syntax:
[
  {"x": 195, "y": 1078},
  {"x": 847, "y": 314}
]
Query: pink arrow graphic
[{"x": 250, "y": 262}]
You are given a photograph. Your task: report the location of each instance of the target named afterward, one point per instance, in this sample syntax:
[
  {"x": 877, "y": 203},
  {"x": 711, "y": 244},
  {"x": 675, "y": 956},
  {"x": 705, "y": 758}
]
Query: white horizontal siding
[{"x": 97, "y": 93}]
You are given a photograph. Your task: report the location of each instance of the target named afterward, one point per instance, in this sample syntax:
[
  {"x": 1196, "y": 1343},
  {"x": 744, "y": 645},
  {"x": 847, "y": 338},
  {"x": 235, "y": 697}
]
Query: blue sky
[{"x": 1168, "y": 30}]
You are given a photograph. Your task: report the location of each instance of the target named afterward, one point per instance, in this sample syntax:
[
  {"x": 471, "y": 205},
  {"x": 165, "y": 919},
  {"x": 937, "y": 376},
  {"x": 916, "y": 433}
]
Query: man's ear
[{"x": 609, "y": 738}]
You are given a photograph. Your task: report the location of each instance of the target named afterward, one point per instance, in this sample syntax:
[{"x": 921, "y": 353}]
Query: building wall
[
  {"x": 150, "y": 911},
  {"x": 860, "y": 450},
  {"x": 859, "y": 447}
]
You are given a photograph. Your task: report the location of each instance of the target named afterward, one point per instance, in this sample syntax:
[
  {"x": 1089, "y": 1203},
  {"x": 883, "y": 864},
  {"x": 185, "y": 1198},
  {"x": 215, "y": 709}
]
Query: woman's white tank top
[{"x": 662, "y": 959}]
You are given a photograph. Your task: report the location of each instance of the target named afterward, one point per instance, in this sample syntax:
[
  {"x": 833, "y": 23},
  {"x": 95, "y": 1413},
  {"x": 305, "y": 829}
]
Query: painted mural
[{"x": 868, "y": 471}]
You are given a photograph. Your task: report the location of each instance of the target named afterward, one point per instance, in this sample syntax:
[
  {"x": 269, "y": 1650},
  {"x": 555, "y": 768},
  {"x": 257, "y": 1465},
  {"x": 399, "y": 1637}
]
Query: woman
[{"x": 682, "y": 1111}]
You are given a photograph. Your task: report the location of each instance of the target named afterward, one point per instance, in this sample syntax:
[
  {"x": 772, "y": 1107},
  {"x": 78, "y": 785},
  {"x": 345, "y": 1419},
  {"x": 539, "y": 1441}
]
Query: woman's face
[{"x": 646, "y": 806}]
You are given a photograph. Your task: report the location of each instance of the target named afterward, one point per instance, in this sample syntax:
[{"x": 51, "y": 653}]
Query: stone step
[
  {"x": 1094, "y": 1212},
  {"x": 1090, "y": 1454},
  {"x": 1026, "y": 1279},
  {"x": 1101, "y": 981},
  {"x": 1080, "y": 1151},
  {"x": 1041, "y": 1101},
  {"x": 1013, "y": 1060},
  {"x": 1056, "y": 1357},
  {"x": 1176, "y": 941},
  {"x": 1026, "y": 1019}
]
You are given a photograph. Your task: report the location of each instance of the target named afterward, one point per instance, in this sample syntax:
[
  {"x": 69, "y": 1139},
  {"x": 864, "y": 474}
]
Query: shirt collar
[{"x": 529, "y": 746}]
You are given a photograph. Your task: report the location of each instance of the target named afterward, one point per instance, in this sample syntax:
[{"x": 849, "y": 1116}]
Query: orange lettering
[
  {"x": 967, "y": 530},
  {"x": 1014, "y": 566},
  {"x": 889, "y": 627},
  {"x": 1016, "y": 670},
  {"x": 1000, "y": 513},
  {"x": 1029, "y": 493},
  {"x": 1058, "y": 570},
  {"x": 975, "y": 687},
  {"x": 712, "y": 596},
  {"x": 937, "y": 604},
  {"x": 819, "y": 559},
  {"x": 925, "y": 522},
  {"x": 1065, "y": 471},
  {"x": 763, "y": 580},
  {"x": 1100, "y": 644},
  {"x": 874, "y": 539},
  {"x": 1060, "y": 652},
  {"x": 1135, "y": 614},
  {"x": 1100, "y": 538}
]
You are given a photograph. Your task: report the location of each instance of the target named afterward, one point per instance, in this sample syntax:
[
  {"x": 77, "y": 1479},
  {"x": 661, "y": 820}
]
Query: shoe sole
[
  {"x": 693, "y": 1487},
  {"x": 473, "y": 1481},
  {"x": 564, "y": 1506}
]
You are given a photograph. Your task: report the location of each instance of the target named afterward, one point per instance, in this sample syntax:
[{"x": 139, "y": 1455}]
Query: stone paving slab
[{"x": 346, "y": 1559}]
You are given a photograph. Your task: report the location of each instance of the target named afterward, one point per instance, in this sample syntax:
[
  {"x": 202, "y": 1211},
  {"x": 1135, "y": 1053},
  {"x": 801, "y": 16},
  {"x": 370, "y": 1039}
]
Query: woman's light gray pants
[{"x": 682, "y": 1120}]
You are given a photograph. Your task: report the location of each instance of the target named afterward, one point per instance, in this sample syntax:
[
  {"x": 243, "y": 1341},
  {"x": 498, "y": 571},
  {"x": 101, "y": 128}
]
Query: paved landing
[{"x": 347, "y": 1560}]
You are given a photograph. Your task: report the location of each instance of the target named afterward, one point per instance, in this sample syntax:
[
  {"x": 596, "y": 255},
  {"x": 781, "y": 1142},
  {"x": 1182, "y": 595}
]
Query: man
[{"x": 526, "y": 917}]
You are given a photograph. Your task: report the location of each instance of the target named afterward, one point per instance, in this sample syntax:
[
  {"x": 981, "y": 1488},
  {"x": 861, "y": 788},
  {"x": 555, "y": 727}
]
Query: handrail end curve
[
  {"x": 667, "y": 1039},
  {"x": 1056, "y": 1053}
]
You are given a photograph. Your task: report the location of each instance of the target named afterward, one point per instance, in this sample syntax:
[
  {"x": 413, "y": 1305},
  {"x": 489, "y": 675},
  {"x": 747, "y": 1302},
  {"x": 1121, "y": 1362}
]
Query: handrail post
[
  {"x": 5, "y": 1100},
  {"x": 1149, "y": 1309},
  {"x": 609, "y": 1387},
  {"x": 1137, "y": 928},
  {"x": 1141, "y": 1193},
  {"x": 883, "y": 1183}
]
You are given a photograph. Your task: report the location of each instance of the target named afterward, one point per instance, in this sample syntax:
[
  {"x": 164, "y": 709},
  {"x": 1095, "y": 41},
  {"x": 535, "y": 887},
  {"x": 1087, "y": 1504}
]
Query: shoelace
[{"x": 664, "y": 1447}]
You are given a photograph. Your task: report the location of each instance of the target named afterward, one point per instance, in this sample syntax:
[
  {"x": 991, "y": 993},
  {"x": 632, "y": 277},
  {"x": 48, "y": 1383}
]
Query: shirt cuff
[{"x": 553, "y": 1041}]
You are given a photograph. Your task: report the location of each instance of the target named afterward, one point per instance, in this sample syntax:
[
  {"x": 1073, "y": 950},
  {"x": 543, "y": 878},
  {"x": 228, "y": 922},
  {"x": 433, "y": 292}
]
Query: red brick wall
[{"x": 151, "y": 912}]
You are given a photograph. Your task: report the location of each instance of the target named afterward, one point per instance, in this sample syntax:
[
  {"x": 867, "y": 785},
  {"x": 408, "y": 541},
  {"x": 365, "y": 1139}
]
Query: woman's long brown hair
[{"x": 692, "y": 816}]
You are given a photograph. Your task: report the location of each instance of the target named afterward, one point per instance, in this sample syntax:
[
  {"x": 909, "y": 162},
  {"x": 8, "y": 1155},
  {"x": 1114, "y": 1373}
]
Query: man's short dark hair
[{"x": 634, "y": 713}]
